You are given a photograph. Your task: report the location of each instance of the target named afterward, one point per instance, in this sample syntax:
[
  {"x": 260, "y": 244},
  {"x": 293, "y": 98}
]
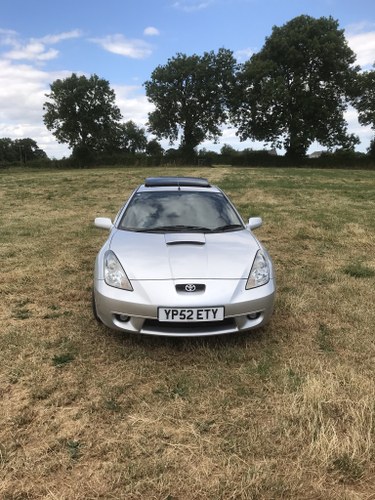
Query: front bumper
[{"x": 137, "y": 311}]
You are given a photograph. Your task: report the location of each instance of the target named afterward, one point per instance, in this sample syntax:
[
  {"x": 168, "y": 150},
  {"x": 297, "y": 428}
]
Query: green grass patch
[
  {"x": 359, "y": 270},
  {"x": 63, "y": 359}
]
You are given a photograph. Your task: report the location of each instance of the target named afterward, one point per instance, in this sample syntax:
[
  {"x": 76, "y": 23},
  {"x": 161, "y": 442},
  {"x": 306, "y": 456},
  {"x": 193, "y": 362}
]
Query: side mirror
[
  {"x": 103, "y": 223},
  {"x": 254, "y": 223}
]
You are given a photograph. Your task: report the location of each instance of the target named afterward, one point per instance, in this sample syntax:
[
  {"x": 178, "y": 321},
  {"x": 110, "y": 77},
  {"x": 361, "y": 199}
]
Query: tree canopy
[
  {"x": 132, "y": 139},
  {"x": 296, "y": 89},
  {"x": 20, "y": 150},
  {"x": 365, "y": 102},
  {"x": 291, "y": 93},
  {"x": 82, "y": 113},
  {"x": 190, "y": 94}
]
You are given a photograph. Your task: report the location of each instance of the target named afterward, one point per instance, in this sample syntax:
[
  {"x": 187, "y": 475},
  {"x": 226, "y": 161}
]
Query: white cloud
[
  {"x": 118, "y": 44},
  {"x": 361, "y": 39},
  {"x": 133, "y": 104},
  {"x": 34, "y": 49},
  {"x": 67, "y": 35},
  {"x": 354, "y": 127},
  {"x": 7, "y": 37},
  {"x": 151, "y": 31},
  {"x": 23, "y": 90},
  {"x": 192, "y": 5},
  {"x": 243, "y": 55}
]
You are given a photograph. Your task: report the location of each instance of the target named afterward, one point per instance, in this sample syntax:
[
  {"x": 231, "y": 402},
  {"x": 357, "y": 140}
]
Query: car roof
[{"x": 177, "y": 181}]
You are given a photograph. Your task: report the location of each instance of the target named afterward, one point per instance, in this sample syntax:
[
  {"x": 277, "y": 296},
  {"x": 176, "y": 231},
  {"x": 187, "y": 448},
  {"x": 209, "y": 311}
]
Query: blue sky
[{"x": 124, "y": 40}]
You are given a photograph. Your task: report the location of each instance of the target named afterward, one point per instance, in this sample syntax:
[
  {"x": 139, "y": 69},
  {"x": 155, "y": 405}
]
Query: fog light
[
  {"x": 123, "y": 318},
  {"x": 253, "y": 315}
]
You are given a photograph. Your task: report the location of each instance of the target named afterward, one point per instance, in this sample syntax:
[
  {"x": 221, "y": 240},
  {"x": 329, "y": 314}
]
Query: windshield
[{"x": 180, "y": 211}]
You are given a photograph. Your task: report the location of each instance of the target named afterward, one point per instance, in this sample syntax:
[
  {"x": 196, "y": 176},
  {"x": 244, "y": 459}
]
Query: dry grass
[{"x": 287, "y": 412}]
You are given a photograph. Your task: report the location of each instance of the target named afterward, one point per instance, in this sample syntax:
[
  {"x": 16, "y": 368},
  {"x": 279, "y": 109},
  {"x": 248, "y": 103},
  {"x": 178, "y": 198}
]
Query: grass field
[{"x": 287, "y": 412}]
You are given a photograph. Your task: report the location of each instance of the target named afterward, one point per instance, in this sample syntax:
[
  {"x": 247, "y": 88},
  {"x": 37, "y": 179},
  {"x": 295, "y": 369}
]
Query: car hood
[{"x": 148, "y": 256}]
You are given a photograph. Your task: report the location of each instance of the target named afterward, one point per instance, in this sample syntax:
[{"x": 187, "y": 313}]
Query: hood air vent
[{"x": 185, "y": 239}]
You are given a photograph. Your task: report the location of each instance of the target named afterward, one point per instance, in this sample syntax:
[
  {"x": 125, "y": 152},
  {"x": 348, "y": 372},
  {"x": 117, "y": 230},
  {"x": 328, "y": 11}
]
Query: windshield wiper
[
  {"x": 179, "y": 228},
  {"x": 227, "y": 227}
]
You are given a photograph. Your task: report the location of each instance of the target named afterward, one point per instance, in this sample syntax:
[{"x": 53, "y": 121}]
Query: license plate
[{"x": 191, "y": 314}]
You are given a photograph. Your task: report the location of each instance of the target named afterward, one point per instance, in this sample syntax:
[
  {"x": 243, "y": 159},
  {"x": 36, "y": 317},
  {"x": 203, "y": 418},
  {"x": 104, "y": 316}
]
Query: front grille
[
  {"x": 189, "y": 328},
  {"x": 194, "y": 287}
]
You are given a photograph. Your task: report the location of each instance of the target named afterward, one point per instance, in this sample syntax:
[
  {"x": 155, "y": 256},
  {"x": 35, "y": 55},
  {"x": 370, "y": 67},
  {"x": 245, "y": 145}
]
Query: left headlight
[
  {"x": 260, "y": 271},
  {"x": 114, "y": 275}
]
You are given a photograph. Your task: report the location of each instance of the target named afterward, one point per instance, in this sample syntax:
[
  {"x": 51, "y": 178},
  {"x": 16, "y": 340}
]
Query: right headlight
[
  {"x": 260, "y": 271},
  {"x": 114, "y": 275}
]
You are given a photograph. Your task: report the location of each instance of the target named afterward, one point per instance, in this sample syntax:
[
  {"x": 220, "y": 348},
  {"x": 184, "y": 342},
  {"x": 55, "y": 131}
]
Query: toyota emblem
[{"x": 190, "y": 288}]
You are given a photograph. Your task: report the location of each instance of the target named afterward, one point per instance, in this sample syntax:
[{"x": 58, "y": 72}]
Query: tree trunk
[{"x": 295, "y": 148}]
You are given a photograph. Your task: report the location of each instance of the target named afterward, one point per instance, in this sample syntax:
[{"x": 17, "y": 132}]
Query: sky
[{"x": 123, "y": 41}]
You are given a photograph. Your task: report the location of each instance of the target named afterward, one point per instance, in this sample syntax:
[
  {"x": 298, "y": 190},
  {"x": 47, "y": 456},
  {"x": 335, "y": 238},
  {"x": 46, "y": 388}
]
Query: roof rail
[{"x": 176, "y": 181}]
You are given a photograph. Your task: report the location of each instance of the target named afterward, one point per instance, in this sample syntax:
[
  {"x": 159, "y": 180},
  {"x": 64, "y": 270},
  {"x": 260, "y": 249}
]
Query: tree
[
  {"x": 154, "y": 148},
  {"x": 227, "y": 149},
  {"x": 81, "y": 112},
  {"x": 365, "y": 102},
  {"x": 191, "y": 96},
  {"x": 296, "y": 89},
  {"x": 20, "y": 150},
  {"x": 8, "y": 153},
  {"x": 132, "y": 138},
  {"x": 29, "y": 150}
]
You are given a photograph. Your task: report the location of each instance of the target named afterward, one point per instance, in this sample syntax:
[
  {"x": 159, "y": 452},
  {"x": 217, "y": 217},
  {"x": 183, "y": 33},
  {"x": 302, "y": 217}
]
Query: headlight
[
  {"x": 114, "y": 275},
  {"x": 260, "y": 271}
]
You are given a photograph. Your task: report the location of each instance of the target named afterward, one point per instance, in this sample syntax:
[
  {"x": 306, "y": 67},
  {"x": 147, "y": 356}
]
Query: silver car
[{"x": 180, "y": 261}]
